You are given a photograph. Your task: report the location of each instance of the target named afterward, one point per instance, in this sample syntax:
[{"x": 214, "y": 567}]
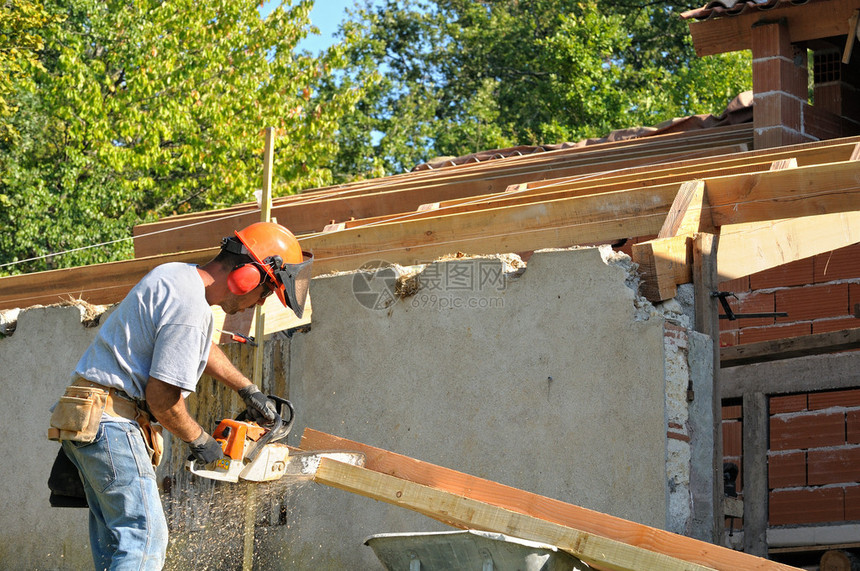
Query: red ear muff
[{"x": 244, "y": 278}]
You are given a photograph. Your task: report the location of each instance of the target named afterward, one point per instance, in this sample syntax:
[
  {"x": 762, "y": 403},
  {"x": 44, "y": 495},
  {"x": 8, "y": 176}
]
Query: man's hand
[
  {"x": 205, "y": 449},
  {"x": 260, "y": 409}
]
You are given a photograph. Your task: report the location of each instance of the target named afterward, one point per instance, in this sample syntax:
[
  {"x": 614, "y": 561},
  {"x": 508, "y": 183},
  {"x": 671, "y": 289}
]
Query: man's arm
[
  {"x": 219, "y": 366},
  {"x": 167, "y": 405},
  {"x": 222, "y": 369}
]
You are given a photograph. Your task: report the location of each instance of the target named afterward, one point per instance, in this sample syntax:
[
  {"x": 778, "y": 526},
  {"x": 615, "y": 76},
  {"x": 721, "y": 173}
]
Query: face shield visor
[{"x": 292, "y": 281}]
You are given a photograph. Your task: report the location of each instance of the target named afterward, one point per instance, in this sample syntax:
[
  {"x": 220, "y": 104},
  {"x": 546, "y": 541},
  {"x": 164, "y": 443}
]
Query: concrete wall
[{"x": 557, "y": 379}]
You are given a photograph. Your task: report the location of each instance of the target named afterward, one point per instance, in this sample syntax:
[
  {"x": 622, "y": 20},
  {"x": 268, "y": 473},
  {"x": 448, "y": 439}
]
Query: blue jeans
[{"x": 127, "y": 525}]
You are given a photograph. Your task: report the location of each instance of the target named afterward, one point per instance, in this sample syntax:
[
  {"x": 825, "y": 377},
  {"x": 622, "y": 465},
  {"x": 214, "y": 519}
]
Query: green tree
[
  {"x": 459, "y": 76},
  {"x": 19, "y": 45},
  {"x": 152, "y": 108}
]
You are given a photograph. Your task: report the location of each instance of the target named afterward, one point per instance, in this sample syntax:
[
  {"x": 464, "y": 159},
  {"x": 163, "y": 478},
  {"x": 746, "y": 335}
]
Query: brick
[
  {"x": 788, "y": 403},
  {"x": 770, "y": 39},
  {"x": 736, "y": 285},
  {"x": 807, "y": 506},
  {"x": 812, "y": 302},
  {"x": 778, "y": 109},
  {"x": 841, "y": 264},
  {"x": 828, "y": 399},
  {"x": 826, "y": 325},
  {"x": 854, "y": 299},
  {"x": 780, "y": 74},
  {"x": 751, "y": 303},
  {"x": 756, "y": 334},
  {"x": 732, "y": 412},
  {"x": 852, "y": 503},
  {"x": 852, "y": 427},
  {"x": 786, "y": 470},
  {"x": 834, "y": 466},
  {"x": 797, "y": 273},
  {"x": 732, "y": 438},
  {"x": 769, "y": 137},
  {"x": 807, "y": 430},
  {"x": 729, "y": 338}
]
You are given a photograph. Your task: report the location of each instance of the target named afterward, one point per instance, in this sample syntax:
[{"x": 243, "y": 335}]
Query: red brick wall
[
  {"x": 819, "y": 294},
  {"x": 814, "y": 457}
]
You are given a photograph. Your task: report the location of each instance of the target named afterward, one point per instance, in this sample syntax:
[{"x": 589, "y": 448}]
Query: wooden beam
[
  {"x": 790, "y": 348},
  {"x": 811, "y": 21},
  {"x": 853, "y": 34},
  {"x": 460, "y": 485},
  {"x": 707, "y": 322},
  {"x": 466, "y": 513},
  {"x": 792, "y": 193},
  {"x": 689, "y": 213},
  {"x": 664, "y": 263},
  {"x": 595, "y": 218},
  {"x": 405, "y": 193},
  {"x": 800, "y": 375},
  {"x": 754, "y": 473},
  {"x": 749, "y": 248}
]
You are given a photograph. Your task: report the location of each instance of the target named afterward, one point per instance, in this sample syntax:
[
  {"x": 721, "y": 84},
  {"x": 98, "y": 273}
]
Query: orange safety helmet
[{"x": 277, "y": 252}]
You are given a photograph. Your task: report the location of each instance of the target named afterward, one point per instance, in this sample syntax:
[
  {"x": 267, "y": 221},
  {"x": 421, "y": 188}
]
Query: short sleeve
[{"x": 176, "y": 359}]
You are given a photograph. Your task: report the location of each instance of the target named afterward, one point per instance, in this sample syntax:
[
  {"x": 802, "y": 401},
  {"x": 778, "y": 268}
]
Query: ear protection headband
[{"x": 244, "y": 277}]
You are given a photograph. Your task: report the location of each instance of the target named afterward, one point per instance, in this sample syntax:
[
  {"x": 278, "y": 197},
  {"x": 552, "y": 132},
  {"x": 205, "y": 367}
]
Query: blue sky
[{"x": 326, "y": 15}]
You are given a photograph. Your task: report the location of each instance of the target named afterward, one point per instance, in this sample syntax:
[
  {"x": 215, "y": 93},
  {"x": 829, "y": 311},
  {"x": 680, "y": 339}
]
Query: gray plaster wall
[
  {"x": 35, "y": 364},
  {"x": 553, "y": 383},
  {"x": 552, "y": 379}
]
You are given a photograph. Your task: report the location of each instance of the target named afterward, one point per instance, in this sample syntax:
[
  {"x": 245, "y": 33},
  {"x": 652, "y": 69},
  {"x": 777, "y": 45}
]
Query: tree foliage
[
  {"x": 143, "y": 109},
  {"x": 457, "y": 76}
]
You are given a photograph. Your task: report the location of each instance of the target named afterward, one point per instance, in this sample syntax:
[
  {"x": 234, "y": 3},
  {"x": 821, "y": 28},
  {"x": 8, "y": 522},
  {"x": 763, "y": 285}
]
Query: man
[{"x": 149, "y": 354}]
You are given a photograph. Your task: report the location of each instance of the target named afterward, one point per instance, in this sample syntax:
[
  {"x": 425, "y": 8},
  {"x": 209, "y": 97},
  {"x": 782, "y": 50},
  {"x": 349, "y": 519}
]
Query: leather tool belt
[{"x": 79, "y": 411}]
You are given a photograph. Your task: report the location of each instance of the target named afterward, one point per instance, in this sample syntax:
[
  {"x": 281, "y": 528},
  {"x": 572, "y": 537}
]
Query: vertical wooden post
[
  {"x": 259, "y": 334},
  {"x": 705, "y": 282},
  {"x": 755, "y": 436}
]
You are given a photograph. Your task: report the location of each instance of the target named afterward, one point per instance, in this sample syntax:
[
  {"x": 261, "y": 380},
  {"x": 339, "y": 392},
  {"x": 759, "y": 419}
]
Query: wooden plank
[
  {"x": 689, "y": 213},
  {"x": 663, "y": 263},
  {"x": 753, "y": 247},
  {"x": 805, "y": 22},
  {"x": 590, "y": 219},
  {"x": 790, "y": 348},
  {"x": 850, "y": 37},
  {"x": 384, "y": 196},
  {"x": 707, "y": 321},
  {"x": 800, "y": 375},
  {"x": 466, "y": 513},
  {"x": 755, "y": 445},
  {"x": 583, "y": 186},
  {"x": 404, "y": 468},
  {"x": 792, "y": 193}
]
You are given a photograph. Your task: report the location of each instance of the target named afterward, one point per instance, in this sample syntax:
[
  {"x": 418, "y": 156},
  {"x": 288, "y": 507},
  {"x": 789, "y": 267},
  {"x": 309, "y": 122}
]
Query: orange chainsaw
[{"x": 253, "y": 452}]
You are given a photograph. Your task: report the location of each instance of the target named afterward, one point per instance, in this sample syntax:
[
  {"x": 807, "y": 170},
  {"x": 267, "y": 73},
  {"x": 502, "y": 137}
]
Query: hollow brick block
[
  {"x": 807, "y": 506},
  {"x": 807, "y": 430}
]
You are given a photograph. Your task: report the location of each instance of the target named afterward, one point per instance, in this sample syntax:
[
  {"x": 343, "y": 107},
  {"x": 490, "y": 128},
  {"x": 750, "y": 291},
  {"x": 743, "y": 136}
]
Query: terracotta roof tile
[{"x": 723, "y": 8}]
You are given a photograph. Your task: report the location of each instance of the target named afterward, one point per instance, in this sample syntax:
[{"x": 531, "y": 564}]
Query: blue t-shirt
[{"x": 162, "y": 329}]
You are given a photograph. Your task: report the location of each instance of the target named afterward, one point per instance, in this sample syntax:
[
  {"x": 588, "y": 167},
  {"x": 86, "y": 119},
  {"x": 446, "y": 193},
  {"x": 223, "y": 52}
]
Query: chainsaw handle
[{"x": 279, "y": 407}]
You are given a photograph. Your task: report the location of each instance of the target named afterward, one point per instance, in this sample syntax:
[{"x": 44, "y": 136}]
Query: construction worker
[{"x": 148, "y": 355}]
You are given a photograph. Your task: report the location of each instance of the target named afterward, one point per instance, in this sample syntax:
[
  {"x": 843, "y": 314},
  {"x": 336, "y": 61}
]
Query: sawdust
[{"x": 208, "y": 529}]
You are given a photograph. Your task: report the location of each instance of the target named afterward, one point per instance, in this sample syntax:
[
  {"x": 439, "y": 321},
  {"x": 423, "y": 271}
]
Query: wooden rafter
[
  {"x": 811, "y": 21},
  {"x": 405, "y": 193},
  {"x": 790, "y": 348},
  {"x": 466, "y": 501},
  {"x": 594, "y": 218}
]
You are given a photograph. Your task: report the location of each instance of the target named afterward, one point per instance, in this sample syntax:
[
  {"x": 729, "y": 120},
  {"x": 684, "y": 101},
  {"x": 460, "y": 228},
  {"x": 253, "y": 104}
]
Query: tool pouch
[
  {"x": 77, "y": 415},
  {"x": 67, "y": 489},
  {"x": 153, "y": 438}
]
